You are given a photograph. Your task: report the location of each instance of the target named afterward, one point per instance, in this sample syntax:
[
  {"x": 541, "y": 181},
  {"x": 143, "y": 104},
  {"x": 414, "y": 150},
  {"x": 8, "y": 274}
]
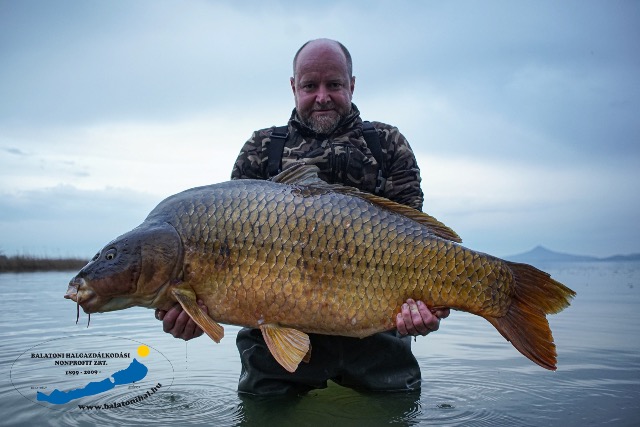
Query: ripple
[
  {"x": 465, "y": 392},
  {"x": 180, "y": 406}
]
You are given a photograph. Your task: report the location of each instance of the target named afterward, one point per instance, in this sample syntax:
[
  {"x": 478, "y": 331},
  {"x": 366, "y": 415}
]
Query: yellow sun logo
[{"x": 143, "y": 351}]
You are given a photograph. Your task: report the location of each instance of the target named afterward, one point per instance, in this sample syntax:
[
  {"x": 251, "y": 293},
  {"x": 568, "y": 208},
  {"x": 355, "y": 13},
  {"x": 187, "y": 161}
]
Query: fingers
[
  {"x": 441, "y": 312},
  {"x": 178, "y": 323},
  {"x": 415, "y": 318}
]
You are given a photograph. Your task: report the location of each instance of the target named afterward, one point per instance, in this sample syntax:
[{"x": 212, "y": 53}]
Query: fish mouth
[{"x": 80, "y": 293}]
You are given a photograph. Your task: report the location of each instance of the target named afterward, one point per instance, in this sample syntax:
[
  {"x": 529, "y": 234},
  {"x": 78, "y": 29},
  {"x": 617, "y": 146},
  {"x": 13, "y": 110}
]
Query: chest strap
[
  {"x": 373, "y": 142},
  {"x": 275, "y": 150}
]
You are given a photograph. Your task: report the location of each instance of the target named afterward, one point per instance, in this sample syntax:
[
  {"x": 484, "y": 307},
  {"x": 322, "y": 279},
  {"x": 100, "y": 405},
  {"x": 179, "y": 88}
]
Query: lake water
[{"x": 471, "y": 375}]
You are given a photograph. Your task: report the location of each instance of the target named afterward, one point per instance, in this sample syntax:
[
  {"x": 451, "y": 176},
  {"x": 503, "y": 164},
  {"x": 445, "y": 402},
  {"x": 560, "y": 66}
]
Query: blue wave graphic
[{"x": 134, "y": 372}]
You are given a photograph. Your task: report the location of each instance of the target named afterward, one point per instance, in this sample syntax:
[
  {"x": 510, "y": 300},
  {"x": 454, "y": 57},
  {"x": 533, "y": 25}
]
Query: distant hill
[
  {"x": 632, "y": 257},
  {"x": 542, "y": 254}
]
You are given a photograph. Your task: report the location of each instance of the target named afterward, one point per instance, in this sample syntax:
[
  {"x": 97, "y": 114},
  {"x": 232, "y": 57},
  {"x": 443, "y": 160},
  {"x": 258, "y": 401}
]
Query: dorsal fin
[
  {"x": 299, "y": 173},
  {"x": 307, "y": 175},
  {"x": 435, "y": 226}
]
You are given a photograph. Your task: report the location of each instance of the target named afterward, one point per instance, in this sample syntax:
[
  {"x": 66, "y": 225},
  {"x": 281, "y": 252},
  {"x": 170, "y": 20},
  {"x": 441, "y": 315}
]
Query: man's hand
[
  {"x": 415, "y": 318},
  {"x": 177, "y": 322}
]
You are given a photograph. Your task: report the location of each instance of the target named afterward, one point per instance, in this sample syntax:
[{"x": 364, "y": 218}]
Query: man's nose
[{"x": 322, "y": 95}]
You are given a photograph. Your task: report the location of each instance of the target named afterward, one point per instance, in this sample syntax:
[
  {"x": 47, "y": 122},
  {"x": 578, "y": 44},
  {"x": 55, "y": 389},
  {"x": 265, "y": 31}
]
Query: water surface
[{"x": 471, "y": 375}]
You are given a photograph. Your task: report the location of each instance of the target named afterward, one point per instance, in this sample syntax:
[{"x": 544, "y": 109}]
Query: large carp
[{"x": 296, "y": 255}]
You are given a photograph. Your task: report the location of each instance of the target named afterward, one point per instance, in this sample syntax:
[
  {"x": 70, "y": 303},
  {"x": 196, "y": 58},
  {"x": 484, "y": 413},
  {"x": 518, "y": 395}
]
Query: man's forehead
[
  {"x": 325, "y": 75},
  {"x": 321, "y": 56}
]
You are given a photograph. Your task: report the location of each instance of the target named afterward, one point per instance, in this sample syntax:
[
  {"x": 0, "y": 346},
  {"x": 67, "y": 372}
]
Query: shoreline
[{"x": 30, "y": 263}]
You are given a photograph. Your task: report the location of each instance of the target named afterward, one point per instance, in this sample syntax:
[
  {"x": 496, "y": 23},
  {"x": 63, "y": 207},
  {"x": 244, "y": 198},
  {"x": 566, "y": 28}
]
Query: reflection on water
[
  {"x": 335, "y": 405},
  {"x": 471, "y": 375}
]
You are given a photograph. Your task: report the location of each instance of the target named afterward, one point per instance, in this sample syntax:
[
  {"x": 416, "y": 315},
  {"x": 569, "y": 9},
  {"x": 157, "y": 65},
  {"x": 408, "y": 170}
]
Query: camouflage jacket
[{"x": 342, "y": 157}]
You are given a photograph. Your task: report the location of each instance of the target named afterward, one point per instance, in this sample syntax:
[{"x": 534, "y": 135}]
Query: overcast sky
[{"x": 524, "y": 115}]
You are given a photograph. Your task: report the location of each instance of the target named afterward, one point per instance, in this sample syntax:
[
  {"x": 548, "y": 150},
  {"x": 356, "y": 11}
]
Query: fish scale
[
  {"x": 296, "y": 255},
  {"x": 276, "y": 241}
]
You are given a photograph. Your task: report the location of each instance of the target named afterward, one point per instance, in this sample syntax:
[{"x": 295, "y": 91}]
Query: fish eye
[{"x": 110, "y": 254}]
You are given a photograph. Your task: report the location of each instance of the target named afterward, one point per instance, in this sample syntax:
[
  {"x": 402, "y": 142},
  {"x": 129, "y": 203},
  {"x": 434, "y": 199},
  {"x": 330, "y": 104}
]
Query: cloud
[
  {"x": 503, "y": 208},
  {"x": 522, "y": 114},
  {"x": 72, "y": 63},
  {"x": 66, "y": 221},
  {"x": 14, "y": 151}
]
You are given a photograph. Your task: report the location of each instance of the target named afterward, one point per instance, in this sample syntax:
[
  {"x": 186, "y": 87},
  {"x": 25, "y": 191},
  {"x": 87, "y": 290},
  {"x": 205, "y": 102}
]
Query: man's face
[{"x": 322, "y": 86}]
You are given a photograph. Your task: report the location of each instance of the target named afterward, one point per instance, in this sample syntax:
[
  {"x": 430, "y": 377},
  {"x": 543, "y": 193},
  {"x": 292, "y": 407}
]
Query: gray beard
[{"x": 323, "y": 125}]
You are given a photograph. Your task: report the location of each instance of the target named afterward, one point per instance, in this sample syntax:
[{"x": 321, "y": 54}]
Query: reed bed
[{"x": 28, "y": 263}]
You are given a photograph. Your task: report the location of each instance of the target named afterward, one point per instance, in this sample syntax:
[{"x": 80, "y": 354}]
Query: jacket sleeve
[
  {"x": 251, "y": 162},
  {"x": 403, "y": 173}
]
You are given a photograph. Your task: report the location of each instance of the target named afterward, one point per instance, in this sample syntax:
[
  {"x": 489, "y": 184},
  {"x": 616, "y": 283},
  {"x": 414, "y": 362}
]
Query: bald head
[{"x": 325, "y": 44}]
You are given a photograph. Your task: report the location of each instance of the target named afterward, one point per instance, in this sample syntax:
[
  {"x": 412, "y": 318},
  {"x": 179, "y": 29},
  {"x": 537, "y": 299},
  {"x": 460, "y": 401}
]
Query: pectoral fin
[
  {"x": 288, "y": 346},
  {"x": 187, "y": 299}
]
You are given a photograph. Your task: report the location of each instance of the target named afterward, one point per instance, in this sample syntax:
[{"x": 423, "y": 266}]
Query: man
[{"x": 325, "y": 129}]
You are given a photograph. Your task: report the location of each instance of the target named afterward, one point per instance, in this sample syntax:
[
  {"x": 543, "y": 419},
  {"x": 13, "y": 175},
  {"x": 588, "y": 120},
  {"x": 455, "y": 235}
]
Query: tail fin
[{"x": 525, "y": 324}]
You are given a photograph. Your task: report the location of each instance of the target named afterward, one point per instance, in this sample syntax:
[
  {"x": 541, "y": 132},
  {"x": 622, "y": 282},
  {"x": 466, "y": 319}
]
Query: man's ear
[
  {"x": 293, "y": 84},
  {"x": 353, "y": 84}
]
